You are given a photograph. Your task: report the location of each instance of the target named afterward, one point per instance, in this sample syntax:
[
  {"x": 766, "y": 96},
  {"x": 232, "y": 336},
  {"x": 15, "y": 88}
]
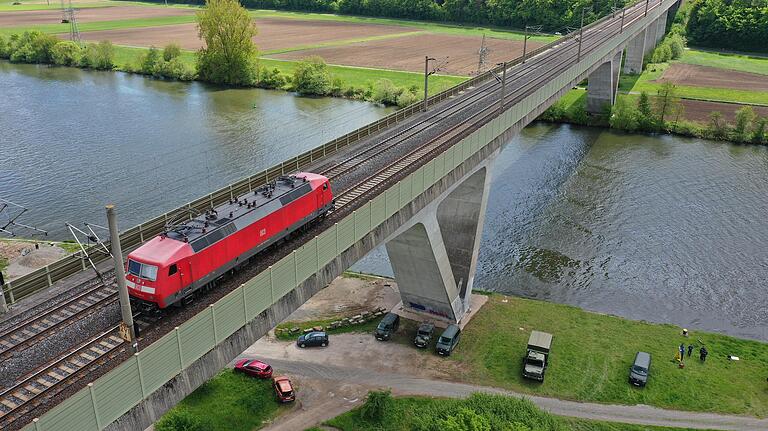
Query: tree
[
  {"x": 376, "y": 405},
  {"x": 758, "y": 135},
  {"x": 667, "y": 101},
  {"x": 150, "y": 62},
  {"x": 229, "y": 56},
  {"x": 744, "y": 117},
  {"x": 311, "y": 76},
  {"x": 717, "y": 128},
  {"x": 646, "y": 119}
]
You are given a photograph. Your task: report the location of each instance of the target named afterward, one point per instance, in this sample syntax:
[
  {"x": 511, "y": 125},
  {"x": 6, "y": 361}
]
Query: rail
[{"x": 45, "y": 277}]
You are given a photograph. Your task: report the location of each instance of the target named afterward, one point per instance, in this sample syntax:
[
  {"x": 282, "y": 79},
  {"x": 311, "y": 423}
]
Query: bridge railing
[{"x": 130, "y": 239}]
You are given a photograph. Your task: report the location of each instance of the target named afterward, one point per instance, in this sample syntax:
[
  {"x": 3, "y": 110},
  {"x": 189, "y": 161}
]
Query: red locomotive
[{"x": 192, "y": 255}]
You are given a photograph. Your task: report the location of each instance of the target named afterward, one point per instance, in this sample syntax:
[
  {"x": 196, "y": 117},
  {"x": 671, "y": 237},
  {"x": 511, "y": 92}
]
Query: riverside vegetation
[
  {"x": 662, "y": 112},
  {"x": 229, "y": 58}
]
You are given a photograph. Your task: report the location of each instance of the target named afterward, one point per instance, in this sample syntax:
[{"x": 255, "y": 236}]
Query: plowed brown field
[
  {"x": 703, "y": 76},
  {"x": 407, "y": 53},
  {"x": 273, "y": 33},
  {"x": 699, "y": 110},
  {"x": 37, "y": 17}
]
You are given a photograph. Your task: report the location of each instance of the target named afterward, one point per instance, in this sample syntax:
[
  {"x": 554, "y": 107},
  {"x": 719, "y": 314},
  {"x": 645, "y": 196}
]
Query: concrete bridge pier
[
  {"x": 650, "y": 37},
  {"x": 434, "y": 256},
  {"x": 661, "y": 27},
  {"x": 603, "y": 85},
  {"x": 633, "y": 62}
]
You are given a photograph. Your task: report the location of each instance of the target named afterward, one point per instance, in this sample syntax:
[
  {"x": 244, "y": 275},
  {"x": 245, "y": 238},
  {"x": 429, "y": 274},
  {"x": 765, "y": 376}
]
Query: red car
[
  {"x": 284, "y": 389},
  {"x": 254, "y": 368}
]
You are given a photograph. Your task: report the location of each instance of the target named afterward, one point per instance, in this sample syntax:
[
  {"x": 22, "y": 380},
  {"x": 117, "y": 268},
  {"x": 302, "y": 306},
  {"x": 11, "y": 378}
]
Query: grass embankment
[
  {"x": 592, "y": 353},
  {"x": 118, "y": 24},
  {"x": 646, "y": 82},
  {"x": 366, "y": 327},
  {"x": 740, "y": 62},
  {"x": 495, "y": 411},
  {"x": 229, "y": 401}
]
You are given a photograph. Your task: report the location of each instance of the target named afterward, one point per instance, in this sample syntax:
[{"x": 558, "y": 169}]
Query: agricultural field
[{"x": 341, "y": 40}]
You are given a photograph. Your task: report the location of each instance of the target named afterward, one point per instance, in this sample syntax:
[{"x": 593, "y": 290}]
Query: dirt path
[{"x": 335, "y": 379}]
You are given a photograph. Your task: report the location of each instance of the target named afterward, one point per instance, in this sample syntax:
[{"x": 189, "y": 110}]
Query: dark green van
[{"x": 448, "y": 340}]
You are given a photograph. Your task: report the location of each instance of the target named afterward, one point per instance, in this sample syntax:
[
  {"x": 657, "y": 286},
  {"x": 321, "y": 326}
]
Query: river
[{"x": 658, "y": 228}]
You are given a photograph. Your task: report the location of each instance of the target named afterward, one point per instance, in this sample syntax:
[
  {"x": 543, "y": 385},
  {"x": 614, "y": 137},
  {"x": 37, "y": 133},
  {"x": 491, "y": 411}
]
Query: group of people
[{"x": 703, "y": 352}]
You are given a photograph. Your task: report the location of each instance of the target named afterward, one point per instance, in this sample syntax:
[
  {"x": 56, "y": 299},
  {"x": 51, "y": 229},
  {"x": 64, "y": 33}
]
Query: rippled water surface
[
  {"x": 74, "y": 140},
  {"x": 657, "y": 228}
]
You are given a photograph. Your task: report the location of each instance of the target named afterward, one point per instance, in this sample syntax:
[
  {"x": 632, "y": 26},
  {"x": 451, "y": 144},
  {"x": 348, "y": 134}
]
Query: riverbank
[
  {"x": 22, "y": 256},
  {"x": 591, "y": 355}
]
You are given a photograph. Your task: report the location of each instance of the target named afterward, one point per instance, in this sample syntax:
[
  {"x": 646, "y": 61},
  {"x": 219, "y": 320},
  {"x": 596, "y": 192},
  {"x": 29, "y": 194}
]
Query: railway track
[
  {"x": 479, "y": 106},
  {"x": 56, "y": 318},
  {"x": 363, "y": 188},
  {"x": 53, "y": 378}
]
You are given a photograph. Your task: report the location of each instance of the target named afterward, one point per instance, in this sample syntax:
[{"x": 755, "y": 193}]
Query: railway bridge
[{"x": 414, "y": 181}]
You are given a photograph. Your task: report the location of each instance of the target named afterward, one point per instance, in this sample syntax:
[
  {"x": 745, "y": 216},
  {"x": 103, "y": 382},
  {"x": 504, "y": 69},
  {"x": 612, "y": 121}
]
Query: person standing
[
  {"x": 703, "y": 353},
  {"x": 682, "y": 351},
  {"x": 690, "y": 350}
]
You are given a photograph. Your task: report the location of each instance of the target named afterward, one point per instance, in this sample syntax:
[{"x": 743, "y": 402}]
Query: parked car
[
  {"x": 424, "y": 335},
  {"x": 312, "y": 339},
  {"x": 254, "y": 368},
  {"x": 448, "y": 340},
  {"x": 284, "y": 389},
  {"x": 536, "y": 358},
  {"x": 387, "y": 327},
  {"x": 638, "y": 372}
]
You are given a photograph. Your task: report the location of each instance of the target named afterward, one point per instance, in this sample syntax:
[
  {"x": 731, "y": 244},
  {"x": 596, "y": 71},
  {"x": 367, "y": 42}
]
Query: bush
[
  {"x": 624, "y": 116},
  {"x": 4, "y": 47},
  {"x": 376, "y": 405},
  {"x": 271, "y": 79},
  {"x": 171, "y": 51},
  {"x": 175, "y": 69},
  {"x": 99, "y": 56},
  {"x": 66, "y": 53},
  {"x": 149, "y": 63},
  {"x": 676, "y": 43},
  {"x": 30, "y": 47},
  {"x": 386, "y": 92},
  {"x": 407, "y": 98},
  {"x": 662, "y": 54},
  {"x": 179, "y": 419},
  {"x": 311, "y": 77},
  {"x": 555, "y": 112},
  {"x": 337, "y": 87}
]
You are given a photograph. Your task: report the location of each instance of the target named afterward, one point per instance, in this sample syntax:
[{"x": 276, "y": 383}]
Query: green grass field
[
  {"x": 591, "y": 355},
  {"x": 739, "y": 62},
  {"x": 645, "y": 82},
  {"x": 232, "y": 401},
  {"x": 404, "y": 412}
]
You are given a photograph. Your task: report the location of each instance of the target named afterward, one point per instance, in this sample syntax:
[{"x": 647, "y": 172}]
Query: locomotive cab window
[
  {"x": 142, "y": 270},
  {"x": 173, "y": 269},
  {"x": 325, "y": 186}
]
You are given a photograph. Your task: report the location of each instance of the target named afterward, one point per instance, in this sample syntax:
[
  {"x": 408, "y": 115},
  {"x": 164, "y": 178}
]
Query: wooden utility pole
[{"x": 127, "y": 330}]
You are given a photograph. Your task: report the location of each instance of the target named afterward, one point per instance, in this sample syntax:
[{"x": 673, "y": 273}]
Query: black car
[
  {"x": 424, "y": 335},
  {"x": 638, "y": 372},
  {"x": 387, "y": 327},
  {"x": 312, "y": 339}
]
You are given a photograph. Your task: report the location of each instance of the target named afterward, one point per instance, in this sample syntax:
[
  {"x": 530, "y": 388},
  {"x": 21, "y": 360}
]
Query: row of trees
[
  {"x": 553, "y": 15},
  {"x": 37, "y": 47},
  {"x": 740, "y": 25}
]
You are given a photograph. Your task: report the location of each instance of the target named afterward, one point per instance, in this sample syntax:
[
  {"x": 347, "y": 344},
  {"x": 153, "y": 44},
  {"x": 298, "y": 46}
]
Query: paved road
[{"x": 311, "y": 366}]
